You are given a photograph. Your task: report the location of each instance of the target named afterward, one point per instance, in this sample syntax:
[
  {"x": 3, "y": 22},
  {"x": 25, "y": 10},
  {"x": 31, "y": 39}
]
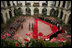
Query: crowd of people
[
  {"x": 17, "y": 23},
  {"x": 30, "y": 26},
  {"x": 14, "y": 26}
]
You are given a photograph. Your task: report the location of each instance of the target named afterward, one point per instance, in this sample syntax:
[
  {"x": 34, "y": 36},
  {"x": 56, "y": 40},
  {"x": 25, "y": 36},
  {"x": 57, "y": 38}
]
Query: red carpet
[{"x": 54, "y": 28}]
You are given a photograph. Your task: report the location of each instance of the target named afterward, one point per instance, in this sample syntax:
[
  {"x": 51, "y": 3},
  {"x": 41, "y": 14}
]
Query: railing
[
  {"x": 27, "y": 4},
  {"x": 36, "y": 4},
  {"x": 44, "y": 5}
]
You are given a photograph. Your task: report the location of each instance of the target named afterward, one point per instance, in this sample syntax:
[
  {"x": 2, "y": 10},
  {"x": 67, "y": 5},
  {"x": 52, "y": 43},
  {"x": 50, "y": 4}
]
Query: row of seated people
[
  {"x": 55, "y": 34},
  {"x": 50, "y": 21},
  {"x": 53, "y": 23},
  {"x": 15, "y": 25}
]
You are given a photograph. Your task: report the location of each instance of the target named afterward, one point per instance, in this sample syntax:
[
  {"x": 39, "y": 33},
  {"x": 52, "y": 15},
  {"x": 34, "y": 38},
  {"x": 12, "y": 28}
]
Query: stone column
[
  {"x": 11, "y": 3},
  {"x": 12, "y": 11},
  {"x": 40, "y": 3},
  {"x": 2, "y": 4},
  {"x": 57, "y": 2},
  {"x": 32, "y": 3},
  {"x": 47, "y": 11},
  {"x": 8, "y": 16},
  {"x": 59, "y": 13},
  {"x": 66, "y": 4},
  {"x": 40, "y": 10},
  {"x": 61, "y": 3},
  {"x": 67, "y": 18},
  {"x": 32, "y": 11},
  {"x": 4, "y": 17},
  {"x": 24, "y": 10}
]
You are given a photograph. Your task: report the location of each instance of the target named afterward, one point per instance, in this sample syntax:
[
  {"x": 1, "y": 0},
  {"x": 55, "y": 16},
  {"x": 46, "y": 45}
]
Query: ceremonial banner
[{"x": 35, "y": 29}]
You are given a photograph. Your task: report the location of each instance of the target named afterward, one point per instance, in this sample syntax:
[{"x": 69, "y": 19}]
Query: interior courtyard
[{"x": 36, "y": 23}]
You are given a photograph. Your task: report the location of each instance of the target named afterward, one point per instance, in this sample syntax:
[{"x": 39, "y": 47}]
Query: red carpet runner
[{"x": 35, "y": 29}]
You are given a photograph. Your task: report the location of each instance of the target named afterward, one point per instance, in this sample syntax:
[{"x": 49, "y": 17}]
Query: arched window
[
  {"x": 36, "y": 11},
  {"x": 19, "y": 11},
  {"x": 44, "y": 11},
  {"x": 28, "y": 11},
  {"x": 52, "y": 12}
]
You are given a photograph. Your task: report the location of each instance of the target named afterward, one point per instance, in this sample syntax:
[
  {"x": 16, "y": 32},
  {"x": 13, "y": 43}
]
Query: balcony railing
[
  {"x": 44, "y": 4},
  {"x": 36, "y": 4},
  {"x": 28, "y": 4}
]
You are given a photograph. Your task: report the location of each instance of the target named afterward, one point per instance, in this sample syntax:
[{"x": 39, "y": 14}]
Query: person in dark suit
[
  {"x": 29, "y": 26},
  {"x": 32, "y": 26},
  {"x": 21, "y": 26}
]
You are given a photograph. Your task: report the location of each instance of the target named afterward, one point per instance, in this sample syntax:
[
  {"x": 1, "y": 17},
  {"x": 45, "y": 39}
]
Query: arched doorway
[
  {"x": 10, "y": 14},
  {"x": 19, "y": 11},
  {"x": 28, "y": 11},
  {"x": 44, "y": 11},
  {"x": 61, "y": 15},
  {"x": 56, "y": 13},
  {"x": 36, "y": 11},
  {"x": 52, "y": 12}
]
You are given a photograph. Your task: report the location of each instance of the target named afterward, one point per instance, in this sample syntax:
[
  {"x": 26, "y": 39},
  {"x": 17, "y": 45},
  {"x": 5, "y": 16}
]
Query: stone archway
[
  {"x": 44, "y": 11},
  {"x": 36, "y": 11},
  {"x": 61, "y": 15},
  {"x": 18, "y": 11},
  {"x": 28, "y": 11},
  {"x": 52, "y": 12}
]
